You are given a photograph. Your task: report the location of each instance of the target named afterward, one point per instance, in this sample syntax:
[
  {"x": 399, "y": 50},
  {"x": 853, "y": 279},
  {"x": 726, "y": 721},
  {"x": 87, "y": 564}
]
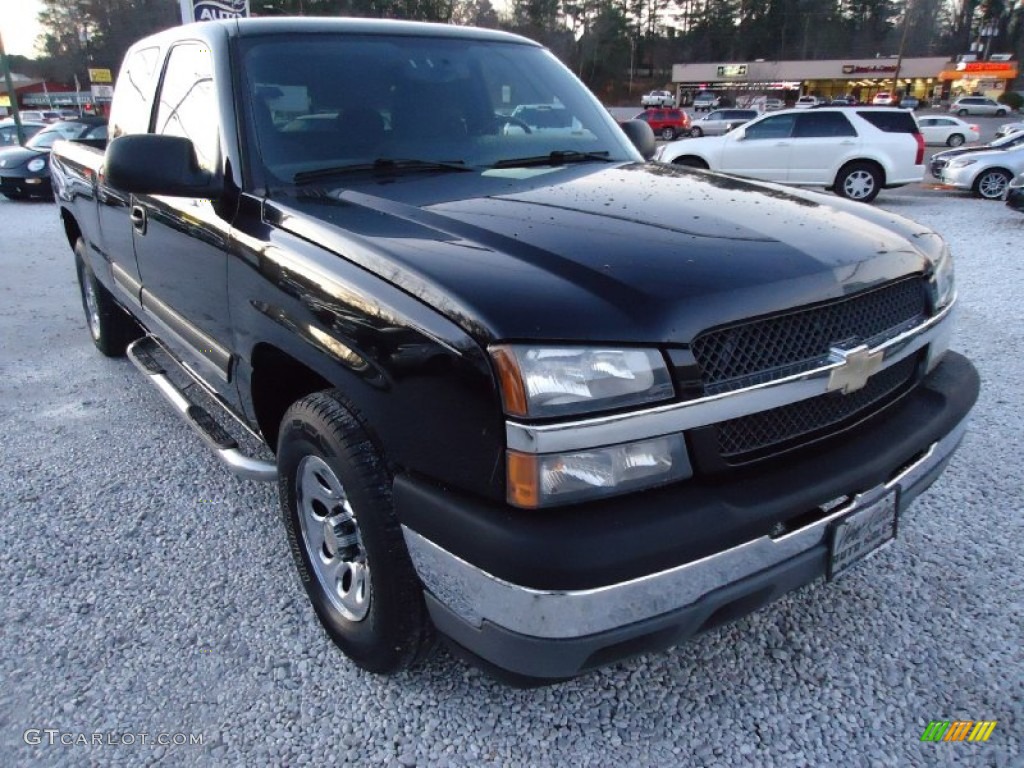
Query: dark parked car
[
  {"x": 1015, "y": 193},
  {"x": 25, "y": 171},
  {"x": 9, "y": 131}
]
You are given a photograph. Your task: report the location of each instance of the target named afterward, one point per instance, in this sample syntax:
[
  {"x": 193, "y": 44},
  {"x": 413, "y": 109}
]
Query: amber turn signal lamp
[
  {"x": 513, "y": 393},
  {"x": 523, "y": 490}
]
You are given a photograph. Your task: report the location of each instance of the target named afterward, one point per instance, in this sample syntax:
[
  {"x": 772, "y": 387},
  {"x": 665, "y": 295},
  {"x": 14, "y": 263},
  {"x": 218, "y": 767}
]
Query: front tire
[
  {"x": 963, "y": 113},
  {"x": 696, "y": 132},
  {"x": 991, "y": 184},
  {"x": 955, "y": 140},
  {"x": 112, "y": 329},
  {"x": 335, "y": 491},
  {"x": 690, "y": 162},
  {"x": 1000, "y": 113},
  {"x": 859, "y": 181}
]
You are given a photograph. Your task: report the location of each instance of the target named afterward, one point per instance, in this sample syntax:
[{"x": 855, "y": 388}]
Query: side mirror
[
  {"x": 640, "y": 133},
  {"x": 148, "y": 164},
  {"x": 738, "y": 133}
]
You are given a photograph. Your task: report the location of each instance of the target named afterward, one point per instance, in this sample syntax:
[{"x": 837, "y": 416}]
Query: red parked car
[{"x": 666, "y": 123}]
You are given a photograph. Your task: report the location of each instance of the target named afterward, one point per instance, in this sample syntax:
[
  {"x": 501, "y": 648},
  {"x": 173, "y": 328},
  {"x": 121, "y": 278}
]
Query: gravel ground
[{"x": 147, "y": 591}]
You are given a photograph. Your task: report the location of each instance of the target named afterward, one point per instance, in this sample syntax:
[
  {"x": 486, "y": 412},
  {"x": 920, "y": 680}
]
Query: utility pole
[
  {"x": 11, "y": 95},
  {"x": 899, "y": 56}
]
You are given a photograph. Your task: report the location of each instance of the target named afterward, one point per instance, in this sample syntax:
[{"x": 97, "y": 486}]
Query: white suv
[
  {"x": 854, "y": 152},
  {"x": 978, "y": 105}
]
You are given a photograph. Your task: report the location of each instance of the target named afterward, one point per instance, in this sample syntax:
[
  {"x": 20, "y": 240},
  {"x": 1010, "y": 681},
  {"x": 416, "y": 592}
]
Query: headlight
[
  {"x": 539, "y": 382},
  {"x": 37, "y": 164},
  {"x": 962, "y": 162},
  {"x": 546, "y": 480},
  {"x": 943, "y": 277}
]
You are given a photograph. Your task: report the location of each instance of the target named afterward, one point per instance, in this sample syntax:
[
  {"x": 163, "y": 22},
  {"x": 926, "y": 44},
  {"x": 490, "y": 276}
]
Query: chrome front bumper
[{"x": 478, "y": 598}]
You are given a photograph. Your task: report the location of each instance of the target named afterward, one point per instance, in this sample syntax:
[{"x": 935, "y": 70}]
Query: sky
[{"x": 19, "y": 27}]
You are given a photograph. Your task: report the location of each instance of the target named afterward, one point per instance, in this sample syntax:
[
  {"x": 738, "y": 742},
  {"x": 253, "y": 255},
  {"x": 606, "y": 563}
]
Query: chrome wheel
[
  {"x": 331, "y": 535},
  {"x": 859, "y": 185},
  {"x": 955, "y": 140},
  {"x": 992, "y": 184},
  {"x": 92, "y": 305}
]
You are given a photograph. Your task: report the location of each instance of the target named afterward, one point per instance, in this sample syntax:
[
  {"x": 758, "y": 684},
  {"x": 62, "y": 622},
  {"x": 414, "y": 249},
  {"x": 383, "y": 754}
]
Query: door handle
[
  {"x": 781, "y": 143},
  {"x": 139, "y": 220},
  {"x": 847, "y": 143}
]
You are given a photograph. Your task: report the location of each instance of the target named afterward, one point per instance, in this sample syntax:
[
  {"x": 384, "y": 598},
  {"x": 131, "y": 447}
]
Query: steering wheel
[{"x": 504, "y": 120}]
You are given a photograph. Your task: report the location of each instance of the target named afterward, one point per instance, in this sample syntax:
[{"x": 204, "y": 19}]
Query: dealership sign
[
  {"x": 209, "y": 10},
  {"x": 732, "y": 70},
  {"x": 871, "y": 69}
]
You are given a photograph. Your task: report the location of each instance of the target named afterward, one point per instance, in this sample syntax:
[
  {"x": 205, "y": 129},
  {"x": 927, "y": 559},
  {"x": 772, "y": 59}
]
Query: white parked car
[
  {"x": 1007, "y": 128},
  {"x": 882, "y": 98},
  {"x": 658, "y": 99},
  {"x": 978, "y": 105},
  {"x": 948, "y": 131},
  {"x": 986, "y": 174},
  {"x": 806, "y": 102},
  {"x": 854, "y": 152}
]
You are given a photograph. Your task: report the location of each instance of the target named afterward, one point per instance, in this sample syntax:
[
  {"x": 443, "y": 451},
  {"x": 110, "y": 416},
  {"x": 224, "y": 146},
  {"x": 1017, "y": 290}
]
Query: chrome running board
[{"x": 143, "y": 354}]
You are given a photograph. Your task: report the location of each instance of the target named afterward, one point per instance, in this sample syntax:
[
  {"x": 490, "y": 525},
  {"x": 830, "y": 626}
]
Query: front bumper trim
[{"x": 476, "y": 596}]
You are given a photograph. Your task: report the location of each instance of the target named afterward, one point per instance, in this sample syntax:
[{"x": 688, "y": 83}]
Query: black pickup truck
[{"x": 518, "y": 386}]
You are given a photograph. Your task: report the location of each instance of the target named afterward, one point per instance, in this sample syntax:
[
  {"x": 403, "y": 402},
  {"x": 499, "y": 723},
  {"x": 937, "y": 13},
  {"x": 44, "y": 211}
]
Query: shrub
[{"x": 1012, "y": 99}]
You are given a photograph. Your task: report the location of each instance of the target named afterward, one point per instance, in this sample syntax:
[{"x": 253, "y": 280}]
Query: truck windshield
[{"x": 322, "y": 103}]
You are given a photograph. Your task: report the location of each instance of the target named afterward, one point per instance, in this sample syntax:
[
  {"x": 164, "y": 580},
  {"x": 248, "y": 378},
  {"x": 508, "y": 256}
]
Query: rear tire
[
  {"x": 335, "y": 490},
  {"x": 991, "y": 184},
  {"x": 955, "y": 140},
  {"x": 112, "y": 329},
  {"x": 859, "y": 181},
  {"x": 668, "y": 134}
]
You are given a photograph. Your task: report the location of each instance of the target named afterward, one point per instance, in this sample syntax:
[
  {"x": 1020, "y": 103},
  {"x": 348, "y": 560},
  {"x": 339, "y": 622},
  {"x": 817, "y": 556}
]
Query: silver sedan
[{"x": 987, "y": 174}]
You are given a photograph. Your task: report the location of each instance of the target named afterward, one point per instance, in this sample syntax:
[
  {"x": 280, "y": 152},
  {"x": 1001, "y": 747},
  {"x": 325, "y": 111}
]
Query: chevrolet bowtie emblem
[{"x": 858, "y": 365}]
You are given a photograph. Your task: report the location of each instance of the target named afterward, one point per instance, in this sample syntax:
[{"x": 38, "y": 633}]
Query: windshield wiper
[
  {"x": 382, "y": 164},
  {"x": 558, "y": 157}
]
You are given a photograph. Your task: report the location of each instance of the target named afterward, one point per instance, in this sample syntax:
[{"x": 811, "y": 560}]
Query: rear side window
[
  {"x": 895, "y": 121},
  {"x": 133, "y": 100},
  {"x": 823, "y": 124}
]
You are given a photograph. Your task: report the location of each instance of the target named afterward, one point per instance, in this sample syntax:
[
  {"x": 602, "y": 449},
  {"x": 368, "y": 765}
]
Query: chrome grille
[
  {"x": 744, "y": 439},
  {"x": 768, "y": 348}
]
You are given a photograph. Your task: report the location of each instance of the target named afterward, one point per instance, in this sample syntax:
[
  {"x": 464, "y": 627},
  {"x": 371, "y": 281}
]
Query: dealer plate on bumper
[{"x": 860, "y": 533}]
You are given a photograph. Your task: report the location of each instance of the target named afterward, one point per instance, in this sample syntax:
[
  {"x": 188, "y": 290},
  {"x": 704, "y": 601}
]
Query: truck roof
[{"x": 320, "y": 24}]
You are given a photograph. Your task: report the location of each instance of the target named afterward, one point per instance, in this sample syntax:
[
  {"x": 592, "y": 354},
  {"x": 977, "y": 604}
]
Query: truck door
[
  {"x": 180, "y": 242},
  {"x": 133, "y": 105}
]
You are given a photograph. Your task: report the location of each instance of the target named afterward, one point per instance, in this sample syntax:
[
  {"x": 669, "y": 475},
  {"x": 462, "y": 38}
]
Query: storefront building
[{"x": 930, "y": 78}]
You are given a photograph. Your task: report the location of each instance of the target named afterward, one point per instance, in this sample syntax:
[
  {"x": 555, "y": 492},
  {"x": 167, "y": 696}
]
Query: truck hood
[{"x": 642, "y": 253}]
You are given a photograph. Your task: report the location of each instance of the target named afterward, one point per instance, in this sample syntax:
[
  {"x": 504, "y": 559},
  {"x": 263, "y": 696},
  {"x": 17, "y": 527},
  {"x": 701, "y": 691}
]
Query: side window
[
  {"x": 823, "y": 125},
  {"x": 926, "y": 122},
  {"x": 187, "y": 104},
  {"x": 777, "y": 127},
  {"x": 133, "y": 103},
  {"x": 715, "y": 116}
]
